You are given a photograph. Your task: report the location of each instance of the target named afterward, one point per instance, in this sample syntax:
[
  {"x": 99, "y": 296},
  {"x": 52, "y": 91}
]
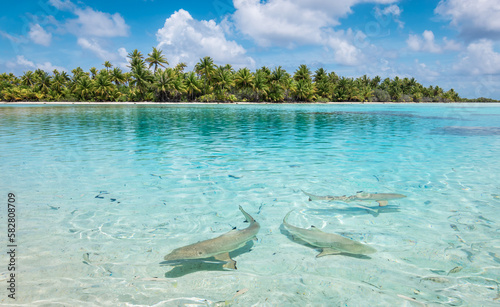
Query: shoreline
[{"x": 226, "y": 103}]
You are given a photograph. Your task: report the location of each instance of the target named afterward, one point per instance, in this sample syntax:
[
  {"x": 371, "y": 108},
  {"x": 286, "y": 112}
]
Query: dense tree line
[{"x": 150, "y": 80}]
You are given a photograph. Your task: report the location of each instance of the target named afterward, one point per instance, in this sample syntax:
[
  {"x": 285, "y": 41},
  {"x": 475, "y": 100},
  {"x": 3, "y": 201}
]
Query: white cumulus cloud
[
  {"x": 480, "y": 58},
  {"x": 185, "y": 39},
  {"x": 39, "y": 36},
  {"x": 473, "y": 18},
  {"x": 290, "y": 23},
  {"x": 90, "y": 22},
  {"x": 427, "y": 43},
  {"x": 95, "y": 23}
]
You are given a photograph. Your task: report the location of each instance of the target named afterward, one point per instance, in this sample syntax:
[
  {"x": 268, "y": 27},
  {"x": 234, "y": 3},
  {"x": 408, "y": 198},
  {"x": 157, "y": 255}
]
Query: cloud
[
  {"x": 90, "y": 22},
  {"x": 427, "y": 43},
  {"x": 184, "y": 39},
  {"x": 423, "y": 72},
  {"x": 480, "y": 58},
  {"x": 122, "y": 55},
  {"x": 22, "y": 63},
  {"x": 343, "y": 51},
  {"x": 64, "y": 5},
  {"x": 39, "y": 36},
  {"x": 291, "y": 23},
  {"x": 91, "y": 27},
  {"x": 12, "y": 38},
  {"x": 94, "y": 46},
  {"x": 95, "y": 23},
  {"x": 473, "y": 18},
  {"x": 392, "y": 10}
]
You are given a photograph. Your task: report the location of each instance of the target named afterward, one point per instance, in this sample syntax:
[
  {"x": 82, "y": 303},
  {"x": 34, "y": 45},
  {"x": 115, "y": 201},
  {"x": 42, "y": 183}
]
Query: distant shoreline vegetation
[{"x": 150, "y": 80}]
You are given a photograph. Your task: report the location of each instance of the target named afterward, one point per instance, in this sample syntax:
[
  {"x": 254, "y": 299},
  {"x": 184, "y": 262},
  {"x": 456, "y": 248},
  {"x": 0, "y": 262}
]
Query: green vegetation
[{"x": 150, "y": 80}]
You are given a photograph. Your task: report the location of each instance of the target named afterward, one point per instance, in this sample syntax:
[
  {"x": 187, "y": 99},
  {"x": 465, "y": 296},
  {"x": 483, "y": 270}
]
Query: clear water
[{"x": 168, "y": 176}]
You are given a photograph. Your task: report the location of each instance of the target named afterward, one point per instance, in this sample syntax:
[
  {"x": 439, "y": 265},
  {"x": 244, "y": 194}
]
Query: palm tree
[
  {"x": 84, "y": 88},
  {"x": 103, "y": 87},
  {"x": 375, "y": 82},
  {"x": 223, "y": 80},
  {"x": 320, "y": 75},
  {"x": 108, "y": 65},
  {"x": 365, "y": 80},
  {"x": 93, "y": 71},
  {"x": 168, "y": 84},
  {"x": 180, "y": 67},
  {"x": 58, "y": 83},
  {"x": 136, "y": 59},
  {"x": 192, "y": 84},
  {"x": 266, "y": 70},
  {"x": 344, "y": 90},
  {"x": 156, "y": 58},
  {"x": 365, "y": 93},
  {"x": 302, "y": 73},
  {"x": 141, "y": 79},
  {"x": 117, "y": 76},
  {"x": 135, "y": 54},
  {"x": 260, "y": 85},
  {"x": 42, "y": 81},
  {"x": 277, "y": 80},
  {"x": 333, "y": 77},
  {"x": 243, "y": 79},
  {"x": 303, "y": 90},
  {"x": 206, "y": 69},
  {"x": 324, "y": 88},
  {"x": 28, "y": 79}
]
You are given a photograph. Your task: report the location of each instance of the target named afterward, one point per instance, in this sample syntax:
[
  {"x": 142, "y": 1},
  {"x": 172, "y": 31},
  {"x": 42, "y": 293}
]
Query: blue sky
[{"x": 450, "y": 43}]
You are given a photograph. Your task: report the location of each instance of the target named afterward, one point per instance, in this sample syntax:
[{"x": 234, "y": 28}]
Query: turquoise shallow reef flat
[{"x": 103, "y": 193}]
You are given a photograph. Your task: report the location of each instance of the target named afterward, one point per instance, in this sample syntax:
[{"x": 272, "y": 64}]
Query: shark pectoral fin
[
  {"x": 328, "y": 251},
  {"x": 230, "y": 263},
  {"x": 382, "y": 203}
]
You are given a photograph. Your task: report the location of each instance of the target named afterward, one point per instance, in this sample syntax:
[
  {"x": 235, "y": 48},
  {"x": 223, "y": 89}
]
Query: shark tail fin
[{"x": 247, "y": 216}]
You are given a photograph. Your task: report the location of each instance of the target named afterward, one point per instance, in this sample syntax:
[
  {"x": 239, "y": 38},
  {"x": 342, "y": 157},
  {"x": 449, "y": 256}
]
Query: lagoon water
[{"x": 103, "y": 193}]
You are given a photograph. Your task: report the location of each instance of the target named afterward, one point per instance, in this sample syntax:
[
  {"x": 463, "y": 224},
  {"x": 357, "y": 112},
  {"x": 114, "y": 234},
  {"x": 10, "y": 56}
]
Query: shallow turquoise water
[{"x": 105, "y": 192}]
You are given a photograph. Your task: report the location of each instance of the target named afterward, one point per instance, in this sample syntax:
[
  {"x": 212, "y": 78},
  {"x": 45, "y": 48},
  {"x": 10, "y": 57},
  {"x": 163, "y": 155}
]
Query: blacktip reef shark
[
  {"x": 381, "y": 198},
  {"x": 219, "y": 247},
  {"x": 330, "y": 243}
]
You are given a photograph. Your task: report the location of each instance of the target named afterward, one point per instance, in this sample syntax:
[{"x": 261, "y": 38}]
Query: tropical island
[{"x": 150, "y": 80}]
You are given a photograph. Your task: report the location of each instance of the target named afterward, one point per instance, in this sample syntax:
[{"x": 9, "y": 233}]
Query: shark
[
  {"x": 330, "y": 243},
  {"x": 220, "y": 246},
  {"x": 381, "y": 198}
]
